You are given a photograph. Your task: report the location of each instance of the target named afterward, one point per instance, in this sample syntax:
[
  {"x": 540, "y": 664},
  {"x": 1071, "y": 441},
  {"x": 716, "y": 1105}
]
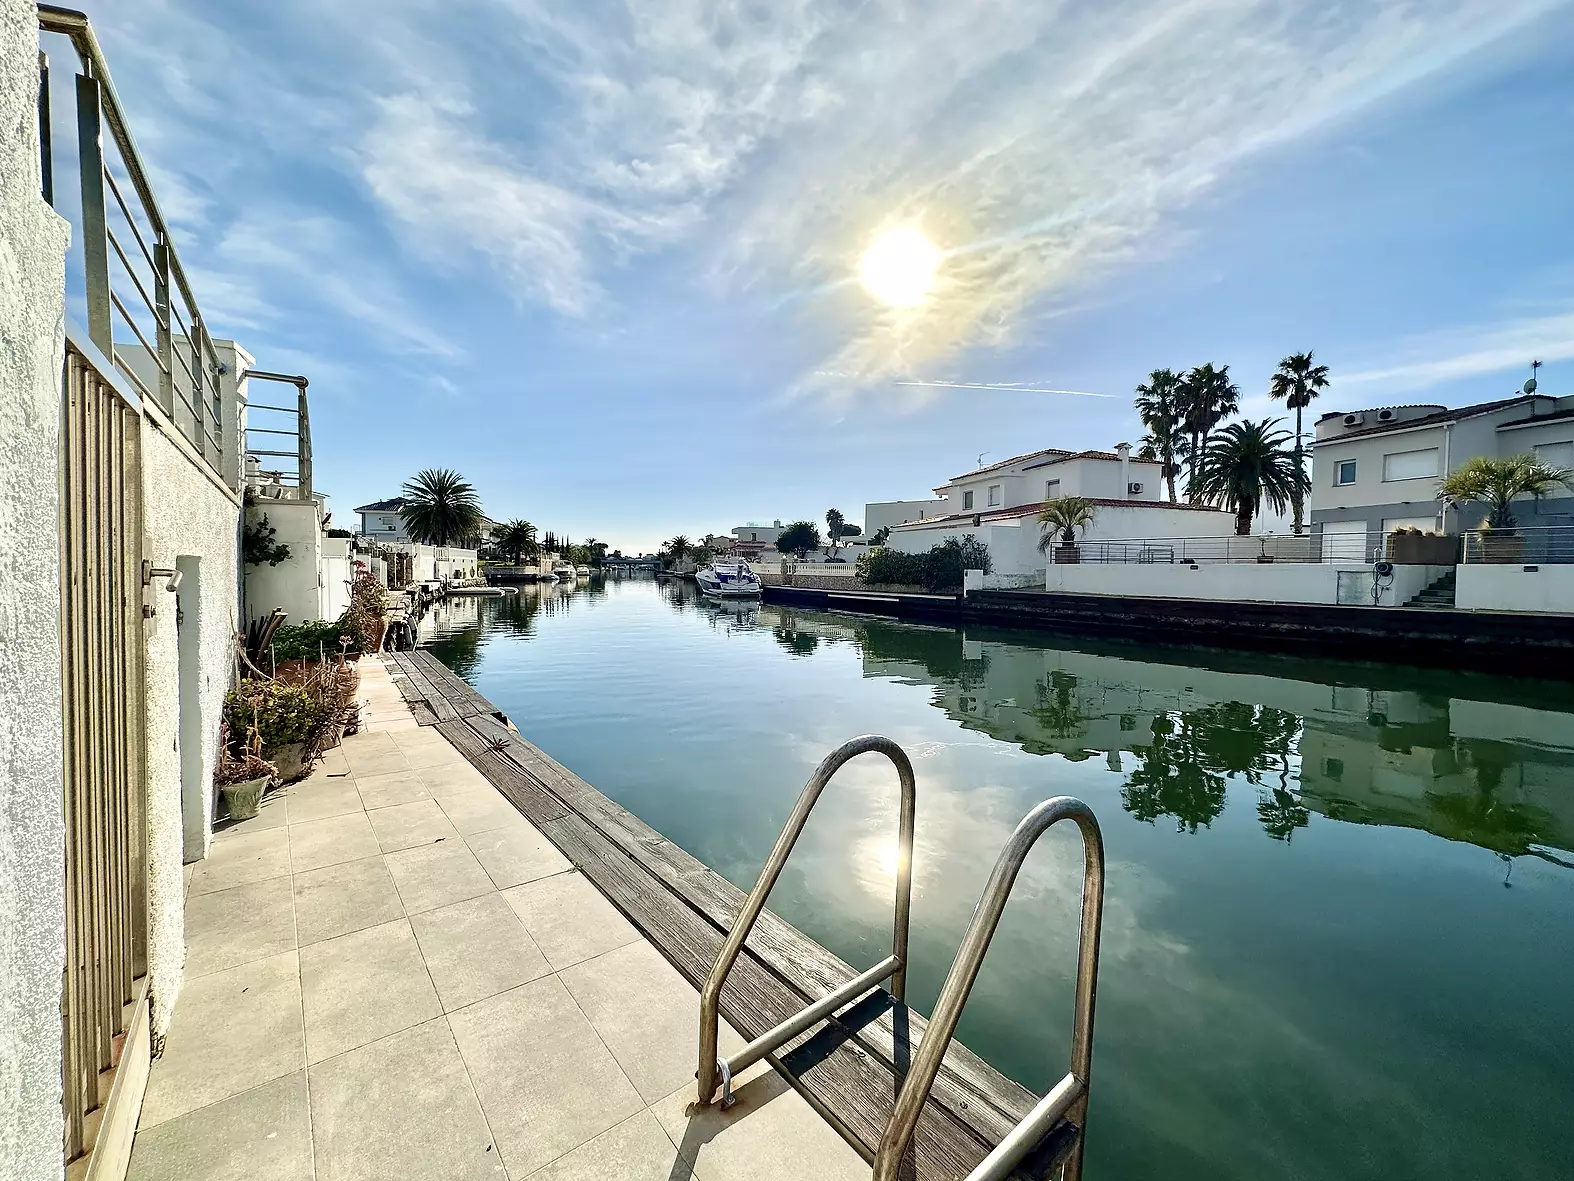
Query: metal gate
[{"x": 101, "y": 652}]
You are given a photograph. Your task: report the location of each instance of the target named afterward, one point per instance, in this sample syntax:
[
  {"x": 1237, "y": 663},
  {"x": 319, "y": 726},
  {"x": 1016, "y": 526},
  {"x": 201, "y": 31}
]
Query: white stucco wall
[
  {"x": 880, "y": 513},
  {"x": 1278, "y": 582},
  {"x": 186, "y": 513},
  {"x": 295, "y": 583},
  {"x": 32, "y": 915},
  {"x": 1490, "y": 587}
]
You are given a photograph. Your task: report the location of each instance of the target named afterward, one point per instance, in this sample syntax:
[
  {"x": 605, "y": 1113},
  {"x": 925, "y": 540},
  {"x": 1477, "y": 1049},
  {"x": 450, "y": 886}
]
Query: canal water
[{"x": 1339, "y": 928}]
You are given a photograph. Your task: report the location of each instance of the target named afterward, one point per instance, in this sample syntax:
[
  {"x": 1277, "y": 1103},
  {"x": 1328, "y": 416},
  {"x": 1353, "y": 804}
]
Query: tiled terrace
[{"x": 390, "y": 973}]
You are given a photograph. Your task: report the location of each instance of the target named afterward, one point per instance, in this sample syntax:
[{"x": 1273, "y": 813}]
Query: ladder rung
[
  {"x": 1022, "y": 1139},
  {"x": 826, "y": 1005}
]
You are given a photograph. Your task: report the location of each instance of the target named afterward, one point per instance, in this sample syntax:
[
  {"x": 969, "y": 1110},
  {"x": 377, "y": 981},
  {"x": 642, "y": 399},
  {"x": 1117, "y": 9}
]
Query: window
[
  {"x": 1410, "y": 465},
  {"x": 1334, "y": 769},
  {"x": 1345, "y": 472},
  {"x": 1556, "y": 454},
  {"x": 967, "y": 500},
  {"x": 1051, "y": 489},
  {"x": 754, "y": 537},
  {"x": 994, "y": 495}
]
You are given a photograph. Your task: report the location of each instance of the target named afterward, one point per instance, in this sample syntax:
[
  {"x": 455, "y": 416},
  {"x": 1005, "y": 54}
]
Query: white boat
[
  {"x": 582, "y": 571},
  {"x": 564, "y": 571},
  {"x": 728, "y": 580}
]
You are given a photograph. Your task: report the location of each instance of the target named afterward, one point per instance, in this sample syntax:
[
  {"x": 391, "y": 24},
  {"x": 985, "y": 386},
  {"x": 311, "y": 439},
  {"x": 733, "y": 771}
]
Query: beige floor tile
[
  {"x": 238, "y": 858},
  {"x": 395, "y": 787},
  {"x": 636, "y": 1150},
  {"x": 516, "y": 853},
  {"x": 262, "y": 1135},
  {"x": 333, "y": 762},
  {"x": 238, "y": 925},
  {"x": 647, "y": 1014},
  {"x": 477, "y": 811},
  {"x": 401, "y": 1109},
  {"x": 230, "y": 1032},
  {"x": 273, "y": 812},
  {"x": 364, "y": 743},
  {"x": 451, "y": 778},
  {"x": 401, "y": 724},
  {"x": 404, "y": 826},
  {"x": 545, "y": 1081},
  {"x": 430, "y": 876},
  {"x": 476, "y": 949},
  {"x": 328, "y": 842},
  {"x": 770, "y": 1134},
  {"x": 338, "y": 899},
  {"x": 569, "y": 919},
  {"x": 363, "y": 986},
  {"x": 319, "y": 799},
  {"x": 377, "y": 761}
]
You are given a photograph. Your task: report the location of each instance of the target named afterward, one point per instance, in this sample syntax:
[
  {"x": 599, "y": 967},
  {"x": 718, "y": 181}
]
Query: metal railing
[
  {"x": 101, "y": 649},
  {"x": 1539, "y": 545},
  {"x": 134, "y": 293},
  {"x": 894, "y": 967},
  {"x": 300, "y": 475},
  {"x": 1272, "y": 547},
  {"x": 1067, "y": 1100}
]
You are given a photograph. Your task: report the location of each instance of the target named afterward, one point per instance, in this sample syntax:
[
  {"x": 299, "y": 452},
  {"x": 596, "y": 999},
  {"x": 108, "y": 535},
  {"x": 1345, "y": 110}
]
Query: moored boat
[{"x": 728, "y": 580}]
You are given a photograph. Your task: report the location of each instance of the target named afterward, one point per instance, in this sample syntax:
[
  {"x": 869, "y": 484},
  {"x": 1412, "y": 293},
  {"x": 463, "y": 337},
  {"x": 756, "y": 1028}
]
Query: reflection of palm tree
[
  {"x": 1059, "y": 709},
  {"x": 799, "y": 643},
  {"x": 1173, "y": 780},
  {"x": 1281, "y": 813}
]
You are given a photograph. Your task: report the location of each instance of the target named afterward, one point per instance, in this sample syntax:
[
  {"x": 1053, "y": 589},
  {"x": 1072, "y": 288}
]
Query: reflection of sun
[{"x": 899, "y": 266}]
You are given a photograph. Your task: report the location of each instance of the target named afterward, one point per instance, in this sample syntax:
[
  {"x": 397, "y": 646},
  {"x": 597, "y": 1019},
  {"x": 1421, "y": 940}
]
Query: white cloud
[{"x": 1476, "y": 351}]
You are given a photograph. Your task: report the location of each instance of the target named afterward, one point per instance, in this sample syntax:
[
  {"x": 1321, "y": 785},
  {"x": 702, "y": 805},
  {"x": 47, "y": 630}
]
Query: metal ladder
[{"x": 1067, "y": 1100}]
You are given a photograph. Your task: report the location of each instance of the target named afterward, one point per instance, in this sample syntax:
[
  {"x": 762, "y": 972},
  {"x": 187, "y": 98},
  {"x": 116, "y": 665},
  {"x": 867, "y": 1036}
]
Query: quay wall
[
  {"x": 1515, "y": 588},
  {"x": 1272, "y": 582},
  {"x": 33, "y": 241}
]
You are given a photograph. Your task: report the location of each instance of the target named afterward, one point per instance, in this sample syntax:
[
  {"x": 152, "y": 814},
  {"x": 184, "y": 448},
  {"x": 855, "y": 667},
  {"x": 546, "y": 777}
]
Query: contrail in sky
[{"x": 1010, "y": 387}]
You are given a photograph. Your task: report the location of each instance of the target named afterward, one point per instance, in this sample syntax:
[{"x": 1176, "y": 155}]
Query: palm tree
[
  {"x": 1159, "y": 405},
  {"x": 1247, "y": 463},
  {"x": 1298, "y": 381},
  {"x": 1494, "y": 483},
  {"x": 834, "y": 523},
  {"x": 440, "y": 507},
  {"x": 1065, "y": 515},
  {"x": 679, "y": 547},
  {"x": 1207, "y": 399},
  {"x": 517, "y": 538}
]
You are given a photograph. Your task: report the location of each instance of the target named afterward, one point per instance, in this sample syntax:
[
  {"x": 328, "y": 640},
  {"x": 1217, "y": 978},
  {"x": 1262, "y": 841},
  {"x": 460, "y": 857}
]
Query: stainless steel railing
[
  {"x": 1543, "y": 545},
  {"x": 1067, "y": 1099},
  {"x": 894, "y": 967},
  {"x": 296, "y": 426},
  {"x": 130, "y": 284}
]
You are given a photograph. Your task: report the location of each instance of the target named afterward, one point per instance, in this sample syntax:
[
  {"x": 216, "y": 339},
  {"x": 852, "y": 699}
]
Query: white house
[
  {"x": 881, "y": 514},
  {"x": 380, "y": 521}
]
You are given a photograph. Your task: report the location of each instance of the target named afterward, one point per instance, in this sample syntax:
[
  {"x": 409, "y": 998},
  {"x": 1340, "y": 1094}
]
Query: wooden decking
[{"x": 850, "y": 1067}]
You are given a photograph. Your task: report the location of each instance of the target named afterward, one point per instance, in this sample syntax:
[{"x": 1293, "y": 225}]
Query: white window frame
[
  {"x": 967, "y": 501},
  {"x": 997, "y": 495},
  {"x": 1339, "y": 482},
  {"x": 1051, "y": 489},
  {"x": 1431, "y": 475}
]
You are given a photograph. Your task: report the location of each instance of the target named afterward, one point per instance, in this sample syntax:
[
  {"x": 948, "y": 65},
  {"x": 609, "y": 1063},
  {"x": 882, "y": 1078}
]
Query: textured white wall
[
  {"x": 294, "y": 583},
  {"x": 1486, "y": 586},
  {"x": 186, "y": 514},
  {"x": 32, "y": 916}
]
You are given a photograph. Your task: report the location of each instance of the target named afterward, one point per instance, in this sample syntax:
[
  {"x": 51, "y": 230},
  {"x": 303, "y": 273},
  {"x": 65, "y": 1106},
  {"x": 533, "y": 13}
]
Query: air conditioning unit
[
  {"x": 1385, "y": 416},
  {"x": 1134, "y": 488},
  {"x": 1354, "y": 419}
]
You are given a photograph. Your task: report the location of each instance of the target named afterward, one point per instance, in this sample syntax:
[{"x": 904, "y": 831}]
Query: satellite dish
[{"x": 1530, "y": 386}]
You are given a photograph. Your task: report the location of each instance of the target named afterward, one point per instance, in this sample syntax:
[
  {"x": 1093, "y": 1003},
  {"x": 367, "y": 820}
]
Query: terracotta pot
[
  {"x": 1068, "y": 555},
  {"x": 243, "y": 800}
]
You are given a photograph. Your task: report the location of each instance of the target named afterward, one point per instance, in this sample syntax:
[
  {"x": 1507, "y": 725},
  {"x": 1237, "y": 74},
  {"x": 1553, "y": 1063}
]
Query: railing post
[
  {"x": 303, "y": 458},
  {"x": 166, "y": 340},
  {"x": 95, "y": 230}
]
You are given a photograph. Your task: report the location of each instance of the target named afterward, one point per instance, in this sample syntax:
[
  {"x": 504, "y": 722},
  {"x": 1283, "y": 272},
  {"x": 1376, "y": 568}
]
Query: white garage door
[{"x": 1344, "y": 541}]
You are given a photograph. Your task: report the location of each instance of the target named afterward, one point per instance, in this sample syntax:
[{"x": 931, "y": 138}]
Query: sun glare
[{"x": 899, "y": 267}]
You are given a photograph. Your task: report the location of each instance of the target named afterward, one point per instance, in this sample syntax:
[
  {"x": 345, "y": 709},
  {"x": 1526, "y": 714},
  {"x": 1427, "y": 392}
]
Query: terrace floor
[{"x": 390, "y": 973}]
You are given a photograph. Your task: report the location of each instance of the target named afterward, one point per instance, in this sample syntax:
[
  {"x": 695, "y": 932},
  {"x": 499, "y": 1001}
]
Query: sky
[{"x": 603, "y": 258}]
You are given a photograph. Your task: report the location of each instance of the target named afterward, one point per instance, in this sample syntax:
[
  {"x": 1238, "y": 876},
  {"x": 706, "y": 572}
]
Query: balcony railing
[
  {"x": 1276, "y": 547},
  {"x": 1540, "y": 545},
  {"x": 124, "y": 276},
  {"x": 287, "y": 436}
]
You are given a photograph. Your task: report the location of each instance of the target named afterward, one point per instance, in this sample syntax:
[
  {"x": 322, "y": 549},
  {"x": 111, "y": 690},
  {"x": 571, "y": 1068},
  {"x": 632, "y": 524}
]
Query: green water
[{"x": 1339, "y": 929}]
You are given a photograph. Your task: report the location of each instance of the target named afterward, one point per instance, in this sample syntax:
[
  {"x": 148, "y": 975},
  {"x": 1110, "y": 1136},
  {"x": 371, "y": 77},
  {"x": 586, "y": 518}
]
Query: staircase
[{"x": 1439, "y": 594}]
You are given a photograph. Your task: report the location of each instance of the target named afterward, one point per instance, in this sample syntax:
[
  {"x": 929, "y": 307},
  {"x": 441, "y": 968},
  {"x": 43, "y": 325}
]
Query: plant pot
[
  {"x": 1502, "y": 548},
  {"x": 1422, "y": 549},
  {"x": 1264, "y": 559},
  {"x": 1068, "y": 555},
  {"x": 244, "y": 799},
  {"x": 290, "y": 761}
]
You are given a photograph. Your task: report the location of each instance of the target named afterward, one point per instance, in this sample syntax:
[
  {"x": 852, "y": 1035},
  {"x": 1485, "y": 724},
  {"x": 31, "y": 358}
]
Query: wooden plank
[
  {"x": 459, "y": 692},
  {"x": 419, "y": 685},
  {"x": 535, "y": 803}
]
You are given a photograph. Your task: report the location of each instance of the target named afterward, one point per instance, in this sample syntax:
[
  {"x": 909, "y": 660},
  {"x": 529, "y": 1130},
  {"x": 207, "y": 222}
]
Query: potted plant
[
  {"x": 1418, "y": 547},
  {"x": 242, "y": 776},
  {"x": 1494, "y": 484},
  {"x": 1062, "y": 518},
  {"x": 284, "y": 717}
]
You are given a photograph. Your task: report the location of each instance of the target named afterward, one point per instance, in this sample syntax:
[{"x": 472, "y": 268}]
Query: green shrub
[
  {"x": 937, "y": 571},
  {"x": 306, "y": 641},
  {"x": 888, "y": 566},
  {"x": 280, "y": 714}
]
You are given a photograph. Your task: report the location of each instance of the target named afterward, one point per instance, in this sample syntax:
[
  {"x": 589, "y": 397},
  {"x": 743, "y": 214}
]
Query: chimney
[{"x": 1124, "y": 451}]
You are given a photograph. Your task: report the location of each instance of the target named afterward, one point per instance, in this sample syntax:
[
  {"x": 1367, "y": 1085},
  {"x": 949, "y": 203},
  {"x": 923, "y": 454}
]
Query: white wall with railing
[{"x": 1328, "y": 583}]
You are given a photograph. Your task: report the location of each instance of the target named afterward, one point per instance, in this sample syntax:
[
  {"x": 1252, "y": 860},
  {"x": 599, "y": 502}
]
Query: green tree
[
  {"x": 799, "y": 538},
  {"x": 517, "y": 539},
  {"x": 834, "y": 524},
  {"x": 881, "y": 536},
  {"x": 1297, "y": 381},
  {"x": 1062, "y": 517},
  {"x": 1494, "y": 483},
  {"x": 1159, "y": 405},
  {"x": 678, "y": 548},
  {"x": 1206, "y": 399},
  {"x": 441, "y": 507},
  {"x": 1248, "y": 463}
]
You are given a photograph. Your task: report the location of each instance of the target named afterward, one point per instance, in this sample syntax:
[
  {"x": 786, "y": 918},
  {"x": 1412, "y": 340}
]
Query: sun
[{"x": 899, "y": 267}]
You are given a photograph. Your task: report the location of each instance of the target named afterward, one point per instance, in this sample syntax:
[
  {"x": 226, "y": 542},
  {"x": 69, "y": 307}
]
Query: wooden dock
[{"x": 850, "y": 1067}]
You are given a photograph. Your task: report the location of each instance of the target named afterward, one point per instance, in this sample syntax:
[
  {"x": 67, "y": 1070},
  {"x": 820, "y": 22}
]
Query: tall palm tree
[
  {"x": 1158, "y": 404},
  {"x": 834, "y": 523},
  {"x": 1247, "y": 463},
  {"x": 517, "y": 538},
  {"x": 1298, "y": 381},
  {"x": 1207, "y": 399},
  {"x": 440, "y": 507}
]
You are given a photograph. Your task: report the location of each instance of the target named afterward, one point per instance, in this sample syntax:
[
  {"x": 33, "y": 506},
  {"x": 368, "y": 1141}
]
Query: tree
[
  {"x": 1064, "y": 516},
  {"x": 881, "y": 536},
  {"x": 598, "y": 551},
  {"x": 1247, "y": 463},
  {"x": 834, "y": 524},
  {"x": 1298, "y": 381},
  {"x": 1159, "y": 404},
  {"x": 678, "y": 548},
  {"x": 799, "y": 538},
  {"x": 441, "y": 507},
  {"x": 1494, "y": 483},
  {"x": 517, "y": 538},
  {"x": 1207, "y": 399}
]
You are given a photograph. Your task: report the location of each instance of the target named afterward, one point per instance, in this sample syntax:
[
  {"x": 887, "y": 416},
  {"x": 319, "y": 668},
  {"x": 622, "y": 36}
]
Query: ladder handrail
[
  {"x": 1069, "y": 1097},
  {"x": 895, "y": 966}
]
